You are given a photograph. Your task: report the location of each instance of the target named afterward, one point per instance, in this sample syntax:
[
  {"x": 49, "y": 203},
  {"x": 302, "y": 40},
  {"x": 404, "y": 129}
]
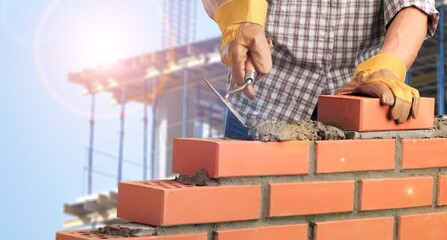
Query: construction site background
[{"x": 44, "y": 131}]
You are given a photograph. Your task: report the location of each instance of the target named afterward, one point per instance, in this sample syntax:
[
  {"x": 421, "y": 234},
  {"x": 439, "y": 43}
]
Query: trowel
[{"x": 241, "y": 119}]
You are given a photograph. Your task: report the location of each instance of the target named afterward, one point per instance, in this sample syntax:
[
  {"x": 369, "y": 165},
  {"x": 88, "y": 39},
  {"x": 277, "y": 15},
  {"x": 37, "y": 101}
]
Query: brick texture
[
  {"x": 364, "y": 229},
  {"x": 424, "y": 153},
  {"x": 442, "y": 191},
  {"x": 354, "y": 155},
  {"x": 93, "y": 235},
  {"x": 344, "y": 190},
  {"x": 366, "y": 114},
  {"x": 285, "y": 232},
  {"x": 287, "y": 199},
  {"x": 396, "y": 193},
  {"x": 164, "y": 203},
  {"x": 432, "y": 226},
  {"x": 230, "y": 158}
]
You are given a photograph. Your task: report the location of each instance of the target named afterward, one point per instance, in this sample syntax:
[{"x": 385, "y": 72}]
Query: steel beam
[
  {"x": 121, "y": 143},
  {"x": 90, "y": 148},
  {"x": 154, "y": 128},
  {"x": 185, "y": 103},
  {"x": 441, "y": 62},
  {"x": 145, "y": 129}
]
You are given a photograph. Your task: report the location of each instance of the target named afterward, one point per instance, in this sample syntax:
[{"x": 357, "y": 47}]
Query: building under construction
[{"x": 170, "y": 81}]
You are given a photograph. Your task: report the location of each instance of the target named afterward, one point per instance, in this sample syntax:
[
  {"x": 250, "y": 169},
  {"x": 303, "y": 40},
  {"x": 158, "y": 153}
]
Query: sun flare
[{"x": 104, "y": 46}]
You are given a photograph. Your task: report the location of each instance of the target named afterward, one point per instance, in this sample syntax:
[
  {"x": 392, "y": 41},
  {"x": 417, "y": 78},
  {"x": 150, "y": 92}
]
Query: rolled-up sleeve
[{"x": 392, "y": 8}]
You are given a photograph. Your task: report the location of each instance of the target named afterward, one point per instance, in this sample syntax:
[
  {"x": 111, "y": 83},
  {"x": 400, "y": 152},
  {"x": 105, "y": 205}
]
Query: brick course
[
  {"x": 349, "y": 155},
  {"x": 432, "y": 226},
  {"x": 288, "y": 199},
  {"x": 345, "y": 189},
  {"x": 364, "y": 229},
  {"x": 442, "y": 191},
  {"x": 93, "y": 235},
  {"x": 164, "y": 203},
  {"x": 233, "y": 158},
  {"x": 285, "y": 232},
  {"x": 396, "y": 193},
  {"x": 424, "y": 153}
]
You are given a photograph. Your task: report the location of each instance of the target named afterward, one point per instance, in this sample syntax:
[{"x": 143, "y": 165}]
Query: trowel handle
[{"x": 250, "y": 72}]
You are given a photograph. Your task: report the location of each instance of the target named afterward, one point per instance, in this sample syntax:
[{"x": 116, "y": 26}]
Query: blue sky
[{"x": 44, "y": 118}]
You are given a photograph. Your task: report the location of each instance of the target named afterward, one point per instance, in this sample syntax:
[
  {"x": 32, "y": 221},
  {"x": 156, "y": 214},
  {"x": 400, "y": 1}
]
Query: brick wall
[{"x": 374, "y": 189}]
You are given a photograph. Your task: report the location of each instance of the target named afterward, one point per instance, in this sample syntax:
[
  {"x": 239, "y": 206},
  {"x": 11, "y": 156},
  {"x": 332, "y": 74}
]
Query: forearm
[
  {"x": 212, "y": 5},
  {"x": 405, "y": 35}
]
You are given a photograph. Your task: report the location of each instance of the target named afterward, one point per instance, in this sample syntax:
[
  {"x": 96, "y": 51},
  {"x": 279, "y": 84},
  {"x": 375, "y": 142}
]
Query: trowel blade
[{"x": 241, "y": 119}]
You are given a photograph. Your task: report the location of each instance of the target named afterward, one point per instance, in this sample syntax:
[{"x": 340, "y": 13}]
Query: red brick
[
  {"x": 93, "y": 235},
  {"x": 164, "y": 203},
  {"x": 354, "y": 155},
  {"x": 432, "y": 226},
  {"x": 424, "y": 153},
  {"x": 366, "y": 114},
  {"x": 442, "y": 191},
  {"x": 396, "y": 193},
  {"x": 287, "y": 199},
  {"x": 285, "y": 232},
  {"x": 231, "y": 158},
  {"x": 364, "y": 229}
]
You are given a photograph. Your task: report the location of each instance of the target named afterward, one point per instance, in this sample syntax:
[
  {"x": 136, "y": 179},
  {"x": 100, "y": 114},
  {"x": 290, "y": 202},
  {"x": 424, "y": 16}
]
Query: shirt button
[{"x": 322, "y": 72}]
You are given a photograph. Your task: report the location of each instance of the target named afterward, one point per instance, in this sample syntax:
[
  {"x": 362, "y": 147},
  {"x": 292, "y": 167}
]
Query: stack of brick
[{"x": 368, "y": 189}]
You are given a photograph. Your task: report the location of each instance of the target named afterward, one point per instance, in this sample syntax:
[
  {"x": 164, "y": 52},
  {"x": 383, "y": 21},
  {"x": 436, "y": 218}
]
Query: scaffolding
[
  {"x": 182, "y": 106},
  {"x": 428, "y": 71},
  {"x": 179, "y": 22}
]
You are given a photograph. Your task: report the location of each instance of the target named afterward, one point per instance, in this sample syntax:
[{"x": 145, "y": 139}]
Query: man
[{"x": 303, "y": 49}]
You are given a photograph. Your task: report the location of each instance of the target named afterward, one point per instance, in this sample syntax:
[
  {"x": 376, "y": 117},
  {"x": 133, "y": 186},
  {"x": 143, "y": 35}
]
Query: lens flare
[{"x": 101, "y": 44}]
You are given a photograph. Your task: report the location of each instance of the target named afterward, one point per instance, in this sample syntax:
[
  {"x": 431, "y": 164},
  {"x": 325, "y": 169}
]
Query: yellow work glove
[
  {"x": 383, "y": 76},
  {"x": 244, "y": 44}
]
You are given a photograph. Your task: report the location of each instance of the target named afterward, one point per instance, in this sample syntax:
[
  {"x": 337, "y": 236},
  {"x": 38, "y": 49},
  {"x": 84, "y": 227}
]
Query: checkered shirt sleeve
[
  {"x": 317, "y": 45},
  {"x": 392, "y": 8}
]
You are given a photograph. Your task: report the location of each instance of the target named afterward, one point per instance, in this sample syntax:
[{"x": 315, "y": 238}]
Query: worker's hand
[
  {"x": 383, "y": 76},
  {"x": 244, "y": 44}
]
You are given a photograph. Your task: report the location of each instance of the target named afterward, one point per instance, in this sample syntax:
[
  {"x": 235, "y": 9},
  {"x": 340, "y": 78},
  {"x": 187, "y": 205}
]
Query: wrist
[
  {"x": 239, "y": 11},
  {"x": 383, "y": 61},
  {"x": 406, "y": 56},
  {"x": 229, "y": 34}
]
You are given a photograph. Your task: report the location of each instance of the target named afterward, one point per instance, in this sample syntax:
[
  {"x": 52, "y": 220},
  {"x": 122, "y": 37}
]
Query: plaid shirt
[{"x": 317, "y": 45}]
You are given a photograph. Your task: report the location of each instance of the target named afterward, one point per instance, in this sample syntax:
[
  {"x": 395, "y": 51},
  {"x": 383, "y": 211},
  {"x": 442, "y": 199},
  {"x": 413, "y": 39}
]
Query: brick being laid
[
  {"x": 304, "y": 198},
  {"x": 377, "y": 194},
  {"x": 282, "y": 232},
  {"x": 367, "y": 114},
  {"x": 354, "y": 155},
  {"x": 354, "y": 229},
  {"x": 92, "y": 234},
  {"x": 233, "y": 158},
  {"x": 167, "y": 203},
  {"x": 432, "y": 226},
  {"x": 424, "y": 153}
]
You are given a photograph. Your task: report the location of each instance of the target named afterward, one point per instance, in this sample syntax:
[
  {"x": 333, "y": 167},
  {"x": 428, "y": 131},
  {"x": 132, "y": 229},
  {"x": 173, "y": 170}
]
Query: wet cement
[
  {"x": 270, "y": 131},
  {"x": 440, "y": 128},
  {"x": 128, "y": 230},
  {"x": 199, "y": 179}
]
